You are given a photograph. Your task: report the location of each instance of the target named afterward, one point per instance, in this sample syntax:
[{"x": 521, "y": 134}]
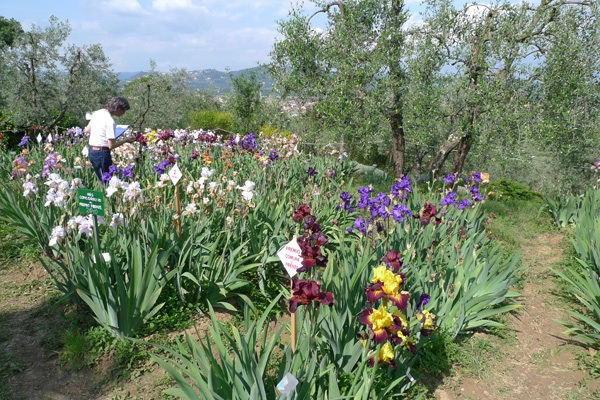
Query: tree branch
[{"x": 326, "y": 9}]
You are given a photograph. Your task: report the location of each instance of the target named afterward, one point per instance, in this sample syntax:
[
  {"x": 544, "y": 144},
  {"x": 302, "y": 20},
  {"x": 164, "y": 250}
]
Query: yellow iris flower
[
  {"x": 386, "y": 353},
  {"x": 391, "y": 282}
]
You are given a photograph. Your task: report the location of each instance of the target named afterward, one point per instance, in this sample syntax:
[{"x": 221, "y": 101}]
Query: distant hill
[{"x": 209, "y": 80}]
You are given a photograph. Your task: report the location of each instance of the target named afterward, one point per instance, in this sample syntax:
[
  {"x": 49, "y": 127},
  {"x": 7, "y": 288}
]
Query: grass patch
[
  {"x": 516, "y": 221},
  {"x": 15, "y": 249}
]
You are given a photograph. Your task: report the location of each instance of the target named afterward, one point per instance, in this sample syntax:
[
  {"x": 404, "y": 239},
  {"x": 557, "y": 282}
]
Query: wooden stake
[
  {"x": 294, "y": 329},
  {"x": 178, "y": 208}
]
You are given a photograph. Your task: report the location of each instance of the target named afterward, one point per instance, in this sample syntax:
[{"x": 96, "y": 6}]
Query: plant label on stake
[
  {"x": 49, "y": 138},
  {"x": 291, "y": 257},
  {"x": 90, "y": 202},
  {"x": 287, "y": 384},
  {"x": 39, "y": 138},
  {"x": 175, "y": 175}
]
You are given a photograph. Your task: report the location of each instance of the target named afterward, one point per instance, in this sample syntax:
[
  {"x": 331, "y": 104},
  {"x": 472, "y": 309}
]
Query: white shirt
[{"x": 102, "y": 128}]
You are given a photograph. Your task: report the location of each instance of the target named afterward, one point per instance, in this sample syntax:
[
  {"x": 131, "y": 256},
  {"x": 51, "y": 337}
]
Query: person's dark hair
[{"x": 117, "y": 103}]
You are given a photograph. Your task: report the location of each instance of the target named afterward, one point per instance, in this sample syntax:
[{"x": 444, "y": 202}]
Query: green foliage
[
  {"x": 210, "y": 120},
  {"x": 338, "y": 71},
  {"x": 14, "y": 248},
  {"x": 10, "y": 29},
  {"x": 583, "y": 278},
  {"x": 234, "y": 364},
  {"x": 268, "y": 131},
  {"x": 66, "y": 78},
  {"x": 161, "y": 100},
  {"x": 512, "y": 190},
  {"x": 245, "y": 102},
  {"x": 562, "y": 209}
]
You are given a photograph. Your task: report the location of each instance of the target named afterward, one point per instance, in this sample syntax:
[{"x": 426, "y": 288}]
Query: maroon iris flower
[
  {"x": 311, "y": 252},
  {"x": 141, "y": 139},
  {"x": 393, "y": 260},
  {"x": 428, "y": 213},
  {"x": 305, "y": 291},
  {"x": 302, "y": 211}
]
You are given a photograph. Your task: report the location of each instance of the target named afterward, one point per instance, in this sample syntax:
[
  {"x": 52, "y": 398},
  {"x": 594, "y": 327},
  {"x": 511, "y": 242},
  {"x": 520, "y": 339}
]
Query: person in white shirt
[{"x": 102, "y": 134}]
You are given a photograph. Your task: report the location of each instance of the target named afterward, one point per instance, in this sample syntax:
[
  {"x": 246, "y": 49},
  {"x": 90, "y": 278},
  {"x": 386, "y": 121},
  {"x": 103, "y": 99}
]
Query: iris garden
[{"x": 383, "y": 271}]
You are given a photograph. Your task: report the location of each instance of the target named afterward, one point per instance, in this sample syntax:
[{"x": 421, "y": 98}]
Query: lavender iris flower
[{"x": 24, "y": 141}]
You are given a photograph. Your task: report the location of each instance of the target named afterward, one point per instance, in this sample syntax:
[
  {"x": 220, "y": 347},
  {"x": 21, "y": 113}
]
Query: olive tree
[
  {"x": 245, "y": 102},
  {"x": 494, "y": 54},
  {"x": 352, "y": 70},
  {"x": 44, "y": 78}
]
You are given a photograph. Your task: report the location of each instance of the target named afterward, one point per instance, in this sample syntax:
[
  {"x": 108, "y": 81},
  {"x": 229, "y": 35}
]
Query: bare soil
[{"x": 538, "y": 362}]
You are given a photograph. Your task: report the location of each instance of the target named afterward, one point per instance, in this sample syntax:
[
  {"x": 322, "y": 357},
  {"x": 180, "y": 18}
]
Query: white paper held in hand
[
  {"x": 175, "y": 174},
  {"x": 120, "y": 130}
]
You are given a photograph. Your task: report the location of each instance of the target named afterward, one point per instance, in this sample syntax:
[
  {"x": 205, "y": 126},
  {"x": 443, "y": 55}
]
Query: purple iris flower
[
  {"x": 423, "y": 300},
  {"x": 24, "y": 141},
  {"x": 475, "y": 195},
  {"x": 127, "y": 172},
  {"x": 378, "y": 210},
  {"x": 49, "y": 164},
  {"x": 273, "y": 155},
  {"x": 449, "y": 179},
  {"x": 400, "y": 212},
  {"x": 162, "y": 167},
  {"x": 383, "y": 199},
  {"x": 401, "y": 187},
  {"x": 311, "y": 171},
  {"x": 249, "y": 142},
  {"x": 449, "y": 200},
  {"x": 106, "y": 176},
  {"x": 365, "y": 196},
  {"x": 464, "y": 204},
  {"x": 361, "y": 225},
  {"x": 346, "y": 198}
]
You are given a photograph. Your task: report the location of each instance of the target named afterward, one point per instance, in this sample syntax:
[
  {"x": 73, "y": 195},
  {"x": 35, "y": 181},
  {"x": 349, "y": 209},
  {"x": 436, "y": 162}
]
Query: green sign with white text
[{"x": 91, "y": 202}]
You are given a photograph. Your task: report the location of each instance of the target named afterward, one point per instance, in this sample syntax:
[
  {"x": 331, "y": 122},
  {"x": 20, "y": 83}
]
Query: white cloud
[
  {"x": 123, "y": 5},
  {"x": 168, "y": 5}
]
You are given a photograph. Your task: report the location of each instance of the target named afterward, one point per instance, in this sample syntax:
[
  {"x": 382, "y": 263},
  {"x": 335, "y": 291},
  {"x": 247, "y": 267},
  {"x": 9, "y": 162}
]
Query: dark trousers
[{"x": 101, "y": 161}]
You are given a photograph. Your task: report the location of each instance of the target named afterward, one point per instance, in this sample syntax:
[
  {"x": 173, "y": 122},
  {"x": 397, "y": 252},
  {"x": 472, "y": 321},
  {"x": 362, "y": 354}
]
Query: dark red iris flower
[
  {"x": 428, "y": 214},
  {"x": 302, "y": 211},
  {"x": 305, "y": 291},
  {"x": 393, "y": 259}
]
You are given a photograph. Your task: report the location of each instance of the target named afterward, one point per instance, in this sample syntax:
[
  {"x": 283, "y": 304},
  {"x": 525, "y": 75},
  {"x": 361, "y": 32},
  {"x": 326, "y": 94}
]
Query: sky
[{"x": 191, "y": 34}]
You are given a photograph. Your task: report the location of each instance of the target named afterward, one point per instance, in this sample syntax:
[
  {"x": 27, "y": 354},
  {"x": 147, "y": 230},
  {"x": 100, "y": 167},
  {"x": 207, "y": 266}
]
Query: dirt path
[
  {"x": 539, "y": 362},
  {"x": 24, "y": 317}
]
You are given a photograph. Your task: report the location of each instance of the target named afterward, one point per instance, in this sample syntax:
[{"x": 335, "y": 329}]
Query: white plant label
[
  {"x": 39, "y": 138},
  {"x": 291, "y": 257},
  {"x": 175, "y": 174},
  {"x": 287, "y": 384}
]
